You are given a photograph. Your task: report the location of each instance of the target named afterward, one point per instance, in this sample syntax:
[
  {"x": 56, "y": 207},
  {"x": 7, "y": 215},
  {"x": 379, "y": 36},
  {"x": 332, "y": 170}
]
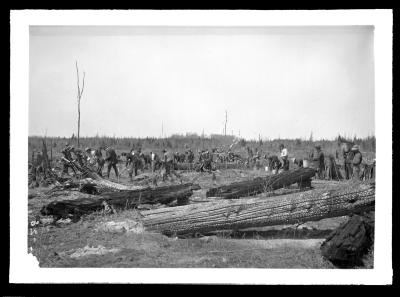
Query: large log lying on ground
[
  {"x": 262, "y": 184},
  {"x": 100, "y": 181},
  {"x": 257, "y": 212},
  {"x": 220, "y": 166},
  {"x": 120, "y": 200},
  {"x": 346, "y": 246}
]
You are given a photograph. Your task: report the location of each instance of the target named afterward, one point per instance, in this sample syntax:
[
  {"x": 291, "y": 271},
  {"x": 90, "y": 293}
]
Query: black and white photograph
[{"x": 186, "y": 141}]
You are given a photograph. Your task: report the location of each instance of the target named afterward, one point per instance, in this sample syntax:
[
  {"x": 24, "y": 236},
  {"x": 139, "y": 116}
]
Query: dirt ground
[{"x": 113, "y": 240}]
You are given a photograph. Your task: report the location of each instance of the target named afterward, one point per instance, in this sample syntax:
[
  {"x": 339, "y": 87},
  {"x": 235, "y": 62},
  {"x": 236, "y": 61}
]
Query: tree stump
[{"x": 346, "y": 246}]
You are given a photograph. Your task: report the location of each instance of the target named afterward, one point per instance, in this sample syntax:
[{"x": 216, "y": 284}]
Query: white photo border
[{"x": 24, "y": 267}]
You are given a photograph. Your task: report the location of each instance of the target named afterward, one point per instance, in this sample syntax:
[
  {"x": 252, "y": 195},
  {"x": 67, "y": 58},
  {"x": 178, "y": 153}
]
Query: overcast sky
[{"x": 275, "y": 81}]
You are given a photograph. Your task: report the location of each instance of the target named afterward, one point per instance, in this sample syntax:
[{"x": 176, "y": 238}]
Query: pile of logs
[
  {"x": 302, "y": 176},
  {"x": 257, "y": 212}
]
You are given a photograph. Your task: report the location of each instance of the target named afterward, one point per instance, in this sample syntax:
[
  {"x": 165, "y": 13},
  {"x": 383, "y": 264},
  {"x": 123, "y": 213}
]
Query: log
[
  {"x": 237, "y": 214},
  {"x": 215, "y": 165},
  {"x": 100, "y": 181},
  {"x": 119, "y": 200},
  {"x": 262, "y": 184},
  {"x": 346, "y": 246}
]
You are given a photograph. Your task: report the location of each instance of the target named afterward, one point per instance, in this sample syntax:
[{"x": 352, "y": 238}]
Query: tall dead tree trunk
[
  {"x": 51, "y": 152},
  {"x": 46, "y": 163},
  {"x": 258, "y": 212},
  {"x": 226, "y": 120},
  {"x": 79, "y": 96}
]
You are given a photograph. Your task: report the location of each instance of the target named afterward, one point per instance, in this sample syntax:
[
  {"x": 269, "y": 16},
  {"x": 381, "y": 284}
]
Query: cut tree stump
[
  {"x": 346, "y": 246},
  {"x": 258, "y": 185},
  {"x": 238, "y": 214},
  {"x": 120, "y": 200}
]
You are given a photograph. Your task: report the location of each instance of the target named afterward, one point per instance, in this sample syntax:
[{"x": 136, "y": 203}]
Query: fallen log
[
  {"x": 238, "y": 214},
  {"x": 100, "y": 181},
  {"x": 120, "y": 200},
  {"x": 215, "y": 166},
  {"x": 263, "y": 184},
  {"x": 346, "y": 246}
]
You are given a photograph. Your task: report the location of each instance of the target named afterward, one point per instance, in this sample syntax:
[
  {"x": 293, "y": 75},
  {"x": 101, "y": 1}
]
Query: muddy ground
[{"x": 113, "y": 240}]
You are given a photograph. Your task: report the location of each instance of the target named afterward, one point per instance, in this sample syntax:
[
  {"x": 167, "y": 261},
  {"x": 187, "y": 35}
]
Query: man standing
[
  {"x": 132, "y": 160},
  {"x": 347, "y": 159},
  {"x": 190, "y": 156},
  {"x": 67, "y": 158},
  {"x": 356, "y": 161},
  {"x": 319, "y": 160},
  {"x": 112, "y": 161},
  {"x": 168, "y": 162},
  {"x": 100, "y": 161},
  {"x": 153, "y": 161},
  {"x": 284, "y": 157}
]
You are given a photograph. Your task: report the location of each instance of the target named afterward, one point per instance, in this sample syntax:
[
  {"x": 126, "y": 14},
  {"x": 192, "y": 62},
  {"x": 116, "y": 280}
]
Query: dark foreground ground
[{"x": 101, "y": 240}]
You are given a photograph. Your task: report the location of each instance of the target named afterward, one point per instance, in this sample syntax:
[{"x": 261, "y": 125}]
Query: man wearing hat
[
  {"x": 132, "y": 160},
  {"x": 67, "y": 158},
  {"x": 99, "y": 159},
  {"x": 348, "y": 155},
  {"x": 319, "y": 160},
  {"x": 167, "y": 162},
  {"x": 112, "y": 161},
  {"x": 356, "y": 162},
  {"x": 284, "y": 157}
]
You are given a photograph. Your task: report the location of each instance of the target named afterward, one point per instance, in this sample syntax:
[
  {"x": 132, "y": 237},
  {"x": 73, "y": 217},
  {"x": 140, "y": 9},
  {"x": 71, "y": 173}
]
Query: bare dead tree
[
  {"x": 226, "y": 120},
  {"x": 79, "y": 96}
]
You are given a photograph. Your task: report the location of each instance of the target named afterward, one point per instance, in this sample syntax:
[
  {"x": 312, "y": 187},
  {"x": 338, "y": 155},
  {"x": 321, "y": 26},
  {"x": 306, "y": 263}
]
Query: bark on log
[
  {"x": 346, "y": 246},
  {"x": 118, "y": 200},
  {"x": 262, "y": 184},
  {"x": 257, "y": 212}
]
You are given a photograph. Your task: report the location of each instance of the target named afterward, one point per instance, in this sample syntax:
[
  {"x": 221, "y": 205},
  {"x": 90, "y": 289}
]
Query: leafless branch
[{"x": 83, "y": 84}]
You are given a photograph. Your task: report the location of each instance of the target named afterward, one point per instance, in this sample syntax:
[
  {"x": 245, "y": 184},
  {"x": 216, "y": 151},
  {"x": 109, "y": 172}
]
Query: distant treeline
[{"x": 298, "y": 148}]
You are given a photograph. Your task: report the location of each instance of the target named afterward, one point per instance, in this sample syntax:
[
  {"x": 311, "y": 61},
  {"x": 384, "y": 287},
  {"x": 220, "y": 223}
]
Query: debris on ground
[{"x": 88, "y": 251}]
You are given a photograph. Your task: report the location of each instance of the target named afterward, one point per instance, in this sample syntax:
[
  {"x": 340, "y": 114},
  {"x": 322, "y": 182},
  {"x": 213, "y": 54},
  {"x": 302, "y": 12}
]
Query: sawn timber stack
[
  {"x": 257, "y": 212},
  {"x": 262, "y": 184},
  {"x": 121, "y": 199}
]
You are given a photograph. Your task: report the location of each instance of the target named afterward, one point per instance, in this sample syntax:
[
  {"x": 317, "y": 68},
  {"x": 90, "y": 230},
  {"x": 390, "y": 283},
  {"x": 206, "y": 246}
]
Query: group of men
[
  {"x": 136, "y": 159},
  {"x": 326, "y": 167},
  {"x": 93, "y": 158}
]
